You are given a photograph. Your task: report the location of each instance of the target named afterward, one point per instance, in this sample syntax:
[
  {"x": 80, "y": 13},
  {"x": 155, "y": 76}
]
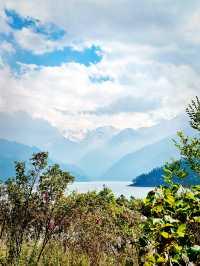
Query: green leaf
[
  {"x": 167, "y": 225},
  {"x": 170, "y": 199},
  {"x": 197, "y": 219},
  {"x": 177, "y": 247},
  {"x": 181, "y": 230},
  {"x": 165, "y": 235},
  {"x": 195, "y": 249},
  {"x": 161, "y": 259}
]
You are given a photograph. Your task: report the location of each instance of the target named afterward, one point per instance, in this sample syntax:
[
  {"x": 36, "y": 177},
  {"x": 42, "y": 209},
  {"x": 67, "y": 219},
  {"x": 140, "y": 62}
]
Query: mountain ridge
[
  {"x": 11, "y": 151},
  {"x": 145, "y": 159},
  {"x": 99, "y": 151}
]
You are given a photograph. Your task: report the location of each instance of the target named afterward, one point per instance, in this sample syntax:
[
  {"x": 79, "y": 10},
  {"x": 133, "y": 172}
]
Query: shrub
[
  {"x": 31, "y": 204},
  {"x": 171, "y": 231},
  {"x": 42, "y": 225}
]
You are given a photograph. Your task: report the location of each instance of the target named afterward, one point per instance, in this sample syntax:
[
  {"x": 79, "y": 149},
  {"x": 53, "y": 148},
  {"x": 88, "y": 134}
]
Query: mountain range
[
  {"x": 105, "y": 153},
  {"x": 142, "y": 161},
  {"x": 112, "y": 160},
  {"x": 11, "y": 151}
]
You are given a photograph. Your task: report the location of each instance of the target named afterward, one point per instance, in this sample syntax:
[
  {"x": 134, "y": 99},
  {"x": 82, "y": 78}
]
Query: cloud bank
[{"x": 147, "y": 67}]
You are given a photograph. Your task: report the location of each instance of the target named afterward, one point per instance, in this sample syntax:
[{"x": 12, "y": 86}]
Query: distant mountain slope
[
  {"x": 15, "y": 151},
  {"x": 11, "y": 151},
  {"x": 22, "y": 128},
  {"x": 98, "y": 160},
  {"x": 76, "y": 171},
  {"x": 97, "y": 152},
  {"x": 155, "y": 178},
  {"x": 141, "y": 161},
  {"x": 98, "y": 136}
]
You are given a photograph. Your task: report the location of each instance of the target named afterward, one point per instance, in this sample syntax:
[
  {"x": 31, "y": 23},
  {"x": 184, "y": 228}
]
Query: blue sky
[
  {"x": 99, "y": 63},
  {"x": 51, "y": 32}
]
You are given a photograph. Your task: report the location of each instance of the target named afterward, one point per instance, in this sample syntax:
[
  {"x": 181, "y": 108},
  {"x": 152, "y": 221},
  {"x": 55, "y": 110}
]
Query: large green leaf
[{"x": 181, "y": 230}]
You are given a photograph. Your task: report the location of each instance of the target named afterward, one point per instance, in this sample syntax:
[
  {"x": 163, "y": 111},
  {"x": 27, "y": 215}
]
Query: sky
[{"x": 82, "y": 64}]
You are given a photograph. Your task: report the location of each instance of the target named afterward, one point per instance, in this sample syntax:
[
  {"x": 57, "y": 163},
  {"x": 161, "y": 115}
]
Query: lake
[{"x": 118, "y": 188}]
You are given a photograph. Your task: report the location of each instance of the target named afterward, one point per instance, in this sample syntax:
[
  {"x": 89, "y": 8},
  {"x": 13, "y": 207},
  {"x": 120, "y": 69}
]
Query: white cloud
[
  {"x": 149, "y": 22},
  {"x": 191, "y": 30},
  {"x": 34, "y": 42},
  {"x": 6, "y": 47},
  {"x": 132, "y": 36},
  {"x": 3, "y": 19},
  {"x": 38, "y": 43},
  {"x": 66, "y": 97}
]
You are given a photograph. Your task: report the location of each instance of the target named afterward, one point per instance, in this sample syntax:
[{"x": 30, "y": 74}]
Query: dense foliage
[
  {"x": 171, "y": 232},
  {"x": 37, "y": 215}
]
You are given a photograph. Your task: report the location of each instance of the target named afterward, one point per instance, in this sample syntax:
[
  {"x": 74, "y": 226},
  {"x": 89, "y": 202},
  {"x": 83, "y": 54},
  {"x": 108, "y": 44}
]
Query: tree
[{"x": 32, "y": 197}]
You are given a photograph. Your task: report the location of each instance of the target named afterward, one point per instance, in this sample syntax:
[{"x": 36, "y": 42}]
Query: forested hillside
[{"x": 155, "y": 177}]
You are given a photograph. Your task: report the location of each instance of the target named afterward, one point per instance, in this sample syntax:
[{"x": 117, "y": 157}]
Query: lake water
[{"x": 118, "y": 188}]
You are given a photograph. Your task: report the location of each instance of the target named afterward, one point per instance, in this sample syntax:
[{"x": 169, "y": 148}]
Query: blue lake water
[{"x": 118, "y": 188}]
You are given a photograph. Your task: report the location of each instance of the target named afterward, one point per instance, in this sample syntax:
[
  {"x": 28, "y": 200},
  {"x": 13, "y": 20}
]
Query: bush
[
  {"x": 31, "y": 204},
  {"x": 171, "y": 231},
  {"x": 41, "y": 225}
]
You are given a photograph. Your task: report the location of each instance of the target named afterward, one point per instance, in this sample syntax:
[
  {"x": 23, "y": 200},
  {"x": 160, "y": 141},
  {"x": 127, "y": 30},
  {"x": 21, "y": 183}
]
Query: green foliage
[
  {"x": 171, "y": 231},
  {"x": 41, "y": 225},
  {"x": 30, "y": 205},
  {"x": 193, "y": 111},
  {"x": 103, "y": 225}
]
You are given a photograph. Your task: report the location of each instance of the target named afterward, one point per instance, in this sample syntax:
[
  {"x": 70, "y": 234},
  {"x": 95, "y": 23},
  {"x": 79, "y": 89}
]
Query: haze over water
[{"x": 119, "y": 188}]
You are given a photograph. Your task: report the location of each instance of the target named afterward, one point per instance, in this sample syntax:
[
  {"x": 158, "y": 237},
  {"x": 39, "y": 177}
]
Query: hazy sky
[{"x": 81, "y": 64}]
